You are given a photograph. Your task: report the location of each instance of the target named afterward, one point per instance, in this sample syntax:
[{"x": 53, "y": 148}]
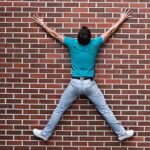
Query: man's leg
[
  {"x": 67, "y": 98},
  {"x": 95, "y": 95}
]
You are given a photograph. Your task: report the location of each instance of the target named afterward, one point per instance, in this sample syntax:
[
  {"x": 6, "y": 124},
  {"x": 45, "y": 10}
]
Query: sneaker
[
  {"x": 38, "y": 134},
  {"x": 128, "y": 134}
]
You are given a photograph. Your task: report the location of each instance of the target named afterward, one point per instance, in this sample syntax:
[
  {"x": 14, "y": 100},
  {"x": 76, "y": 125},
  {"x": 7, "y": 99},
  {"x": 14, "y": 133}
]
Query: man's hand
[
  {"x": 38, "y": 20},
  {"x": 126, "y": 14}
]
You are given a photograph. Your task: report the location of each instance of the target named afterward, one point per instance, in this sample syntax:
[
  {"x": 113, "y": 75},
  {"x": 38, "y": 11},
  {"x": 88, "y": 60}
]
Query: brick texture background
[{"x": 35, "y": 69}]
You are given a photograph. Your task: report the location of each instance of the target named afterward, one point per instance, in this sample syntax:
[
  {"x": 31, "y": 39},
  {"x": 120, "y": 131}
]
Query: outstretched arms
[
  {"x": 124, "y": 15},
  {"x": 40, "y": 21}
]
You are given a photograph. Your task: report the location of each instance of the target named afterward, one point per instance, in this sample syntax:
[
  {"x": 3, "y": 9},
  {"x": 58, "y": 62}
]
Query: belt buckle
[{"x": 81, "y": 78}]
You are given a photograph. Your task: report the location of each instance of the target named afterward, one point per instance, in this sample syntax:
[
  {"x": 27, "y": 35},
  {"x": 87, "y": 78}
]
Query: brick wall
[{"x": 35, "y": 69}]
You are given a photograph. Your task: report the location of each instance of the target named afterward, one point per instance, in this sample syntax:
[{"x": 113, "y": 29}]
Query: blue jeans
[{"x": 90, "y": 89}]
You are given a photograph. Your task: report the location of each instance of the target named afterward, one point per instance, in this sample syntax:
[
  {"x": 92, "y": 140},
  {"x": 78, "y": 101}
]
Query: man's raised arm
[
  {"x": 124, "y": 15},
  {"x": 40, "y": 21}
]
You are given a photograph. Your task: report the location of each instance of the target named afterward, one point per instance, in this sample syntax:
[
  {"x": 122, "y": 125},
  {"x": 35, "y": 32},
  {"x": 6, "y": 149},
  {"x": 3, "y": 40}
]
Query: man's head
[{"x": 84, "y": 35}]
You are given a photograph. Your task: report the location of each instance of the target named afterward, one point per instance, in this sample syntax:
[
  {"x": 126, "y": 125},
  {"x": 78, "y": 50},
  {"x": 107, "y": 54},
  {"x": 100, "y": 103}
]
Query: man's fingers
[
  {"x": 37, "y": 16},
  {"x": 129, "y": 11},
  {"x": 34, "y": 17},
  {"x": 123, "y": 10},
  {"x": 126, "y": 10},
  {"x": 34, "y": 20},
  {"x": 129, "y": 16}
]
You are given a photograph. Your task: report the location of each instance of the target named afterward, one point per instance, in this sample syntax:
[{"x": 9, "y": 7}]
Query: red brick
[
  {"x": 6, "y": 147},
  {"x": 87, "y": 5},
  {"x": 71, "y": 4},
  {"x": 21, "y": 147},
  {"x": 40, "y": 4},
  {"x": 63, "y": 9},
  {"x": 21, "y": 4},
  {"x": 104, "y": 148}
]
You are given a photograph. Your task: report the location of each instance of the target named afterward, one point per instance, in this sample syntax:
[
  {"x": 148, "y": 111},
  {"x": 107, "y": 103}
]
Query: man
[{"x": 83, "y": 51}]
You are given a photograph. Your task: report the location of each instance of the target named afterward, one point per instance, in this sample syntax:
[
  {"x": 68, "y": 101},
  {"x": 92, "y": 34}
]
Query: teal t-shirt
[{"x": 83, "y": 57}]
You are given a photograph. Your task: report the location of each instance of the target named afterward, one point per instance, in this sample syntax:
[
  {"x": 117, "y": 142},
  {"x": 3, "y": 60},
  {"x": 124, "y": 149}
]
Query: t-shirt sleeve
[
  {"x": 68, "y": 41},
  {"x": 99, "y": 41}
]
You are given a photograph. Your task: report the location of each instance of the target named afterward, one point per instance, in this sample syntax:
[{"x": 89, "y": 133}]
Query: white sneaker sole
[
  {"x": 35, "y": 132},
  {"x": 127, "y": 136}
]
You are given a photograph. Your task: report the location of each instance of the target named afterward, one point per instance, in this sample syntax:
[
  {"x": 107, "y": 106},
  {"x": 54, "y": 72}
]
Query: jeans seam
[
  {"x": 76, "y": 89},
  {"x": 91, "y": 85}
]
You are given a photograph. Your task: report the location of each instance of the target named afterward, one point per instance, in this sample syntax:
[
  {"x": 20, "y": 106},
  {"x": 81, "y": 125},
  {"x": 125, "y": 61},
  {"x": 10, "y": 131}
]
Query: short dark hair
[{"x": 84, "y": 35}]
